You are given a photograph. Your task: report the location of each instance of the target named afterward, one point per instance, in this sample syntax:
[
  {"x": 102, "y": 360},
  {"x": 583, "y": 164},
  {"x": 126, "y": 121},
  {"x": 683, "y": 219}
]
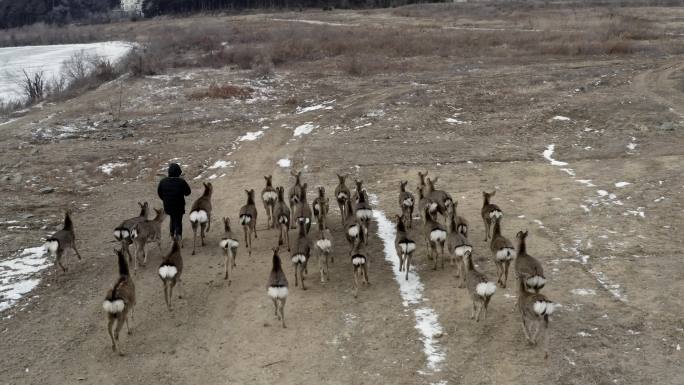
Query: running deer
[
  {"x": 119, "y": 302},
  {"x": 302, "y": 211},
  {"x": 170, "y": 272},
  {"x": 535, "y": 310},
  {"x": 442, "y": 198},
  {"x": 359, "y": 264},
  {"x": 490, "y": 211},
  {"x": 342, "y": 195},
  {"x": 269, "y": 196},
  {"x": 320, "y": 209},
  {"x": 479, "y": 287},
  {"x": 461, "y": 223},
  {"x": 324, "y": 247},
  {"x": 229, "y": 245},
  {"x": 295, "y": 194},
  {"x": 457, "y": 244},
  {"x": 200, "y": 214},
  {"x": 424, "y": 203},
  {"x": 122, "y": 233},
  {"x": 406, "y": 203},
  {"x": 503, "y": 253},
  {"x": 301, "y": 254},
  {"x": 435, "y": 237},
  {"x": 352, "y": 227},
  {"x": 61, "y": 241},
  {"x": 404, "y": 245},
  {"x": 281, "y": 214},
  {"x": 527, "y": 268},
  {"x": 357, "y": 191},
  {"x": 145, "y": 232},
  {"x": 248, "y": 218},
  {"x": 363, "y": 212},
  {"x": 277, "y": 287}
]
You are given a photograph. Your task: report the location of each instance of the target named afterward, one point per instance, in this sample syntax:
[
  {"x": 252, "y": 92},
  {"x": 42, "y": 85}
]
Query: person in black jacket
[{"x": 172, "y": 190}]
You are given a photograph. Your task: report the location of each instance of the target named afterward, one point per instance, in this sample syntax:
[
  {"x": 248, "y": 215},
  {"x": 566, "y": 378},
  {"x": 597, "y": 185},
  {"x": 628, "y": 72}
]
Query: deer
[
  {"x": 503, "y": 253},
  {"x": 229, "y": 244},
  {"x": 442, "y": 198},
  {"x": 301, "y": 254},
  {"x": 248, "y": 218},
  {"x": 363, "y": 212},
  {"x": 457, "y": 244},
  {"x": 170, "y": 272},
  {"x": 320, "y": 207},
  {"x": 277, "y": 287},
  {"x": 479, "y": 287},
  {"x": 359, "y": 264},
  {"x": 404, "y": 245},
  {"x": 435, "y": 237},
  {"x": 200, "y": 215},
  {"x": 535, "y": 310},
  {"x": 302, "y": 210},
  {"x": 65, "y": 239},
  {"x": 489, "y": 212},
  {"x": 461, "y": 223},
  {"x": 281, "y": 214},
  {"x": 324, "y": 247},
  {"x": 352, "y": 227},
  {"x": 357, "y": 191},
  {"x": 342, "y": 195},
  {"x": 269, "y": 196},
  {"x": 119, "y": 302},
  {"x": 424, "y": 203},
  {"x": 145, "y": 232},
  {"x": 122, "y": 233},
  {"x": 406, "y": 203},
  {"x": 295, "y": 193},
  {"x": 527, "y": 268}
]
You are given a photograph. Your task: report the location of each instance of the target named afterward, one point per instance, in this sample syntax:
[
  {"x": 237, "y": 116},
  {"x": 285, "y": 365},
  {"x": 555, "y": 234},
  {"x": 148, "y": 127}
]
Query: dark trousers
[{"x": 176, "y": 224}]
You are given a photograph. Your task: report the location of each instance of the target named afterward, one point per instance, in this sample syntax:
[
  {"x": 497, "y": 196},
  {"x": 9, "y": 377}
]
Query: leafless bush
[{"x": 34, "y": 86}]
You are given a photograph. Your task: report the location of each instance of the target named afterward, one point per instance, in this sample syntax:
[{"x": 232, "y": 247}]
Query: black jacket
[{"x": 172, "y": 190}]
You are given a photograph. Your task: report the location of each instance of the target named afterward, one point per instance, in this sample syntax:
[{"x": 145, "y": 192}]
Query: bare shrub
[
  {"x": 34, "y": 86},
  {"x": 223, "y": 91}
]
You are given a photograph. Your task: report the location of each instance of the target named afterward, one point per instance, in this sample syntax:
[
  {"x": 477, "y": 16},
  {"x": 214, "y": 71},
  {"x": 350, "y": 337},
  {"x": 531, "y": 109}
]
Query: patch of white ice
[
  {"x": 304, "y": 129},
  {"x": 108, "y": 168},
  {"x": 17, "y": 275},
  {"x": 548, "y": 153},
  {"x": 284, "y": 163},
  {"x": 250, "y": 136}
]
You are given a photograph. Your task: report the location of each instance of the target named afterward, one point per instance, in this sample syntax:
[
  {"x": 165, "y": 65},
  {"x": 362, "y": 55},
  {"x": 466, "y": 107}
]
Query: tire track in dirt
[{"x": 657, "y": 85}]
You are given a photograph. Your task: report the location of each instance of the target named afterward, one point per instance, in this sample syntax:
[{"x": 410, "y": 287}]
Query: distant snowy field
[{"x": 48, "y": 59}]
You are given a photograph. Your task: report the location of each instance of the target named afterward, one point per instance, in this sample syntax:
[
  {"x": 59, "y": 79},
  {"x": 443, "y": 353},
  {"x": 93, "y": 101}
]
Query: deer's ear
[{"x": 493, "y": 193}]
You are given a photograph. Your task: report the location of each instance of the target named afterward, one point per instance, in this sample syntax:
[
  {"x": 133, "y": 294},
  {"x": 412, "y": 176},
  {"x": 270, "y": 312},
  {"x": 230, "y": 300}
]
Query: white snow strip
[
  {"x": 411, "y": 291},
  {"x": 548, "y": 153},
  {"x": 621, "y": 184},
  {"x": 561, "y": 118},
  {"x": 284, "y": 163},
  {"x": 322, "y": 106},
  {"x": 108, "y": 168},
  {"x": 586, "y": 182},
  {"x": 454, "y": 121},
  {"x": 18, "y": 275},
  {"x": 250, "y": 136},
  {"x": 304, "y": 129},
  {"x": 318, "y": 22}
]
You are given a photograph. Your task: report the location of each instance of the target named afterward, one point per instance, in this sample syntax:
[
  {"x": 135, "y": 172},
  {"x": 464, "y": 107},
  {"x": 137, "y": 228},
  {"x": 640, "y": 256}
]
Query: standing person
[{"x": 172, "y": 190}]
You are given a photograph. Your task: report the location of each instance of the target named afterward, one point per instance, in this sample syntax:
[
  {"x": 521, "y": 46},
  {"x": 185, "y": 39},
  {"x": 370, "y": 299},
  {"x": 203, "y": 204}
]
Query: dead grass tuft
[{"x": 223, "y": 91}]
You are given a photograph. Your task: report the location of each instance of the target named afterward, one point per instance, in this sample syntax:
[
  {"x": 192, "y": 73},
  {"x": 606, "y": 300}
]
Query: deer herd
[{"x": 441, "y": 228}]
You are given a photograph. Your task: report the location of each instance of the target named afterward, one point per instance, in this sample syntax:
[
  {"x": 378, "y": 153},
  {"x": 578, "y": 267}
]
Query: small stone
[{"x": 47, "y": 190}]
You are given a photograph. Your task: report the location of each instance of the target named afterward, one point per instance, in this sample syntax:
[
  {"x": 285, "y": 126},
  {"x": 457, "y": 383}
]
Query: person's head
[{"x": 174, "y": 170}]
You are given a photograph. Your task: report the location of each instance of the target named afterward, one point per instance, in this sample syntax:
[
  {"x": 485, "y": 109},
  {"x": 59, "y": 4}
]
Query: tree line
[{"x": 16, "y": 13}]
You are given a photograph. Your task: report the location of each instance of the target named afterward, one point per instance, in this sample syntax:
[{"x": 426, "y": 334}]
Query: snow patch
[
  {"x": 18, "y": 275},
  {"x": 221, "y": 164},
  {"x": 250, "y": 136},
  {"x": 548, "y": 153},
  {"x": 561, "y": 118},
  {"x": 285, "y": 163},
  {"x": 108, "y": 168},
  {"x": 583, "y": 292},
  {"x": 621, "y": 184},
  {"x": 322, "y": 106},
  {"x": 304, "y": 129}
]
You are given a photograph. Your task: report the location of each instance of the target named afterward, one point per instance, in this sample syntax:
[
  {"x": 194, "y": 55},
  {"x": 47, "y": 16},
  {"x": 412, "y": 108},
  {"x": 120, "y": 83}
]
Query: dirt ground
[{"x": 610, "y": 250}]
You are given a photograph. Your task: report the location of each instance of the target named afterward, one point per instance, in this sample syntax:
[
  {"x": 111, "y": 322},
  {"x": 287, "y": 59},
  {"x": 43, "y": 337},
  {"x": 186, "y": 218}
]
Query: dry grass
[{"x": 223, "y": 91}]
